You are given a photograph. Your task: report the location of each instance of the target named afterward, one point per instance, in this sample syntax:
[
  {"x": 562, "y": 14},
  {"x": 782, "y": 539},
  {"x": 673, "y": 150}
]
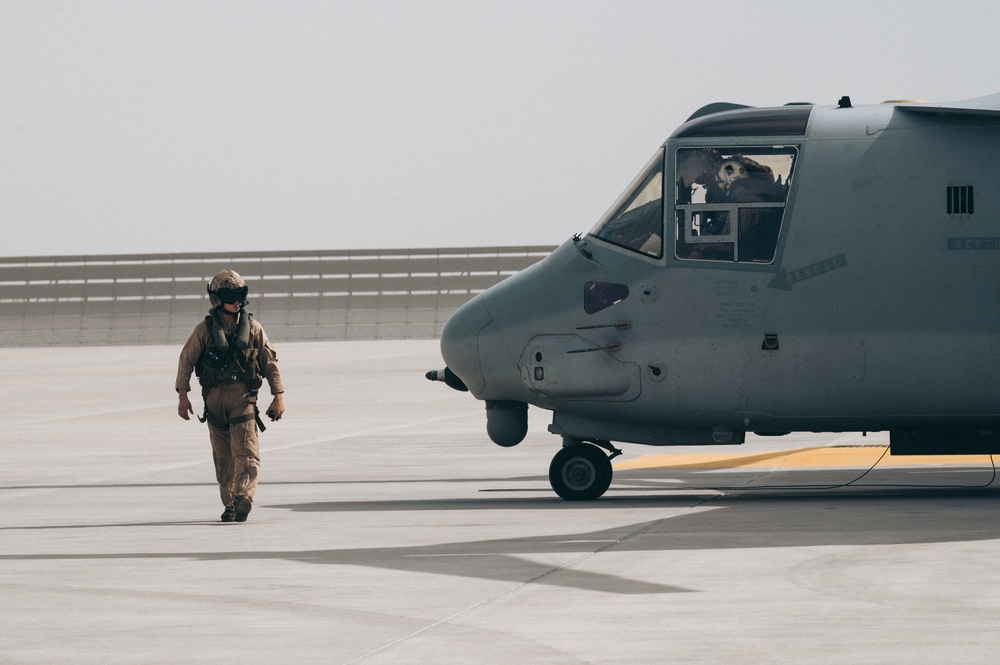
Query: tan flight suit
[{"x": 230, "y": 412}]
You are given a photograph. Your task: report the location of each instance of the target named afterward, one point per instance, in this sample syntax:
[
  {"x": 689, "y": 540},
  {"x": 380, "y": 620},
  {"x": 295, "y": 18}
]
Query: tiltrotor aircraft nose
[
  {"x": 460, "y": 343},
  {"x": 466, "y": 330}
]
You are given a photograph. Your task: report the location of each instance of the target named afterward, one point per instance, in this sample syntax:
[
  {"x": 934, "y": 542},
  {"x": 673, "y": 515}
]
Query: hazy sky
[{"x": 205, "y": 126}]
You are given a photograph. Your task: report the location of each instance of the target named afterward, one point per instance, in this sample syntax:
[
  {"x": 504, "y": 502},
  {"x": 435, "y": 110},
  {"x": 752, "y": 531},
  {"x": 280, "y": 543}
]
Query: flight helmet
[
  {"x": 227, "y": 287},
  {"x": 729, "y": 172}
]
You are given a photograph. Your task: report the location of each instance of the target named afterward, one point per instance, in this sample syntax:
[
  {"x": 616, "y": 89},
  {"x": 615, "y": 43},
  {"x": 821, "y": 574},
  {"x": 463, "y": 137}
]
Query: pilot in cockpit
[
  {"x": 706, "y": 176},
  {"x": 733, "y": 179}
]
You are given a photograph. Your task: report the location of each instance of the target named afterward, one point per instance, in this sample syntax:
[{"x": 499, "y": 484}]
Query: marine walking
[{"x": 232, "y": 357}]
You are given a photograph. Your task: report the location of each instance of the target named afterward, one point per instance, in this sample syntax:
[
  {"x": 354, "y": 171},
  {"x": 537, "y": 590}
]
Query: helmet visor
[{"x": 230, "y": 296}]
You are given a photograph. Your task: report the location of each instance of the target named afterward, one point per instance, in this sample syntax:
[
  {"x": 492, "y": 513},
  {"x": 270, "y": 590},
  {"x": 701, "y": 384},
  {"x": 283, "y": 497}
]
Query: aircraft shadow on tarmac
[
  {"x": 775, "y": 517},
  {"x": 854, "y": 516}
]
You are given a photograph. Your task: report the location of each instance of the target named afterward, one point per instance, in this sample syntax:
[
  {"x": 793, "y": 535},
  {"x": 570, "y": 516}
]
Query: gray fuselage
[{"x": 872, "y": 303}]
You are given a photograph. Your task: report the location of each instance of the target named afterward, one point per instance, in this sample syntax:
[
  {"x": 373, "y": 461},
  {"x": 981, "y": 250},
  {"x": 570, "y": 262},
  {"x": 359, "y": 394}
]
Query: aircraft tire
[{"x": 580, "y": 472}]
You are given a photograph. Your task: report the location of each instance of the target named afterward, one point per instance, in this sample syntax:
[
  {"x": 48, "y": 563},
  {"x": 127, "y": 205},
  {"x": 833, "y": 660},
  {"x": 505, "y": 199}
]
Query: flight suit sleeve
[
  {"x": 267, "y": 361},
  {"x": 189, "y": 356}
]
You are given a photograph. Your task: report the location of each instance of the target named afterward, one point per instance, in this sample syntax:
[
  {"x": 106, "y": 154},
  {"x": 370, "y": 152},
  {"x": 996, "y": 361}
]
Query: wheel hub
[{"x": 579, "y": 473}]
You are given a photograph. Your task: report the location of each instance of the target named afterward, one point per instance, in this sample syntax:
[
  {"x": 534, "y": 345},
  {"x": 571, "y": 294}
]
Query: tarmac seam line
[{"x": 451, "y": 617}]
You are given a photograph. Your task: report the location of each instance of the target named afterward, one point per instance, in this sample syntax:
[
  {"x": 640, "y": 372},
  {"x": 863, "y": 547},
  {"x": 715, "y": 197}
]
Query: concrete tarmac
[{"x": 388, "y": 529}]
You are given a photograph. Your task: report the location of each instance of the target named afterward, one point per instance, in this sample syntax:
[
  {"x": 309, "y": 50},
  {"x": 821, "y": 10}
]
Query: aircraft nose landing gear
[{"x": 580, "y": 471}]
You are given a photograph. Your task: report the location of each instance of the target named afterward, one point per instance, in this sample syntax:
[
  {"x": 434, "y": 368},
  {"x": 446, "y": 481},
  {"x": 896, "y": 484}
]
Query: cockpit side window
[
  {"x": 730, "y": 202},
  {"x": 635, "y": 221}
]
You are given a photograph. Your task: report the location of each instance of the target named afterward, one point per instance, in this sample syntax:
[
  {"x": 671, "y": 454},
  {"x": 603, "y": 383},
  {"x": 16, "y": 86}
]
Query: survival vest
[{"x": 229, "y": 359}]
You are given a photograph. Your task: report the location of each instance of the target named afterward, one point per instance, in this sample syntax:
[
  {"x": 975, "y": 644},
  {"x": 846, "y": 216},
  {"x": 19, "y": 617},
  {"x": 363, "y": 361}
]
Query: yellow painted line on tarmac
[{"x": 833, "y": 456}]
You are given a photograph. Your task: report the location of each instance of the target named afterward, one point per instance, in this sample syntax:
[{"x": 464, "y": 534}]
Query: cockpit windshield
[{"x": 635, "y": 221}]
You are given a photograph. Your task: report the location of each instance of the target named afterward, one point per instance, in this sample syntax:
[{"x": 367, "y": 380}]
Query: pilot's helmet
[
  {"x": 729, "y": 172},
  {"x": 227, "y": 287}
]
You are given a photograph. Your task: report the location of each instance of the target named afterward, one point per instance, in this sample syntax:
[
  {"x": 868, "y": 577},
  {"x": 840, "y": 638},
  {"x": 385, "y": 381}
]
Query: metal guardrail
[{"x": 304, "y": 295}]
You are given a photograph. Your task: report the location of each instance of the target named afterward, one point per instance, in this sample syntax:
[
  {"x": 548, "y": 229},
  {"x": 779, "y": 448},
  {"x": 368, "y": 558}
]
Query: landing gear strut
[{"x": 580, "y": 471}]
